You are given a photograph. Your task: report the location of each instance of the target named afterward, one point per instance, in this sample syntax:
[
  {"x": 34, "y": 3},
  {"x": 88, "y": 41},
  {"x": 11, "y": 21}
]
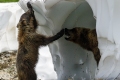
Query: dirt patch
[{"x": 8, "y": 65}]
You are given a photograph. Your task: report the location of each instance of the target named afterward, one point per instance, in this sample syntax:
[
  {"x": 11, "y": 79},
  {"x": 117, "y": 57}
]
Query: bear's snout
[{"x": 67, "y": 34}]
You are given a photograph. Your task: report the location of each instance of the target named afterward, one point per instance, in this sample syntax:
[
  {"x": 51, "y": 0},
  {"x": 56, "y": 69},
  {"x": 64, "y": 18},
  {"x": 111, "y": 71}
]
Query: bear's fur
[
  {"x": 86, "y": 38},
  {"x": 29, "y": 43}
]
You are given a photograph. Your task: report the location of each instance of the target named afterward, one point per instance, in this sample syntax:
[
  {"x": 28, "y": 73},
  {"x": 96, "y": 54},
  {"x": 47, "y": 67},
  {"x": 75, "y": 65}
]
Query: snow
[
  {"x": 107, "y": 26},
  {"x": 44, "y": 67},
  {"x": 9, "y": 16}
]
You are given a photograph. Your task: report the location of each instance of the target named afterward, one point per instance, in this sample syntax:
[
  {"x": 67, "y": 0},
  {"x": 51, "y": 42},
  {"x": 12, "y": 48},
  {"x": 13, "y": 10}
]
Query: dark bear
[
  {"x": 86, "y": 38},
  {"x": 29, "y": 43}
]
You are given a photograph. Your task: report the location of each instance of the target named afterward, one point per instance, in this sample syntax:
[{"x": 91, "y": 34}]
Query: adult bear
[{"x": 29, "y": 43}]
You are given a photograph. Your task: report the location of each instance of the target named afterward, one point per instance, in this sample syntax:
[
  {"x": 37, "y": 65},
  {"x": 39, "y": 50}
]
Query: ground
[{"x": 8, "y": 65}]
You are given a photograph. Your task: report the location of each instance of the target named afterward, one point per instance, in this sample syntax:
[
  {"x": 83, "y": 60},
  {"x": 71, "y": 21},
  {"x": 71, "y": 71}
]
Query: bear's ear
[{"x": 86, "y": 30}]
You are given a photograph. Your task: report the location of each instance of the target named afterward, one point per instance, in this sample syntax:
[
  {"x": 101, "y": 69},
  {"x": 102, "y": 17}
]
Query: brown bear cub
[
  {"x": 29, "y": 43},
  {"x": 86, "y": 38}
]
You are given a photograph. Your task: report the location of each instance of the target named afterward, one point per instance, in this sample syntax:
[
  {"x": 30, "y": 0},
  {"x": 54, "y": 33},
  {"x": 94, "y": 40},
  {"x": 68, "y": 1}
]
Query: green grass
[{"x": 8, "y": 1}]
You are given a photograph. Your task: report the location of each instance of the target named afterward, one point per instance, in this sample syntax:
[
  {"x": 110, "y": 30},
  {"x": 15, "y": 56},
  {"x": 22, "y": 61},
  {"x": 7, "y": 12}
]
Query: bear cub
[
  {"x": 29, "y": 43},
  {"x": 86, "y": 38}
]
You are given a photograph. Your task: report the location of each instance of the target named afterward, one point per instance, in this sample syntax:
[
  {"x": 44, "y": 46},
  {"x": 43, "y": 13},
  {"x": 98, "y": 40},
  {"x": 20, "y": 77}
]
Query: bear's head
[
  {"x": 27, "y": 19},
  {"x": 72, "y": 34},
  {"x": 76, "y": 34}
]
